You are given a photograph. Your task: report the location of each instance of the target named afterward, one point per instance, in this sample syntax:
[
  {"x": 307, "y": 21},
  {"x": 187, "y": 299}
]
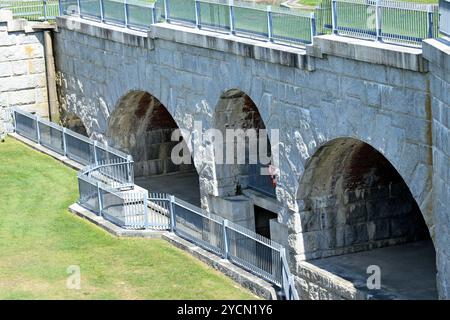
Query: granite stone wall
[
  {"x": 22, "y": 70},
  {"x": 339, "y": 88}
]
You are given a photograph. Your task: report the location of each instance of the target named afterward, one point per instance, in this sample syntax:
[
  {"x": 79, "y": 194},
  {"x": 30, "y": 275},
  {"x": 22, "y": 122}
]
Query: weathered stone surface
[
  {"x": 22, "y": 71},
  {"x": 374, "y": 99}
]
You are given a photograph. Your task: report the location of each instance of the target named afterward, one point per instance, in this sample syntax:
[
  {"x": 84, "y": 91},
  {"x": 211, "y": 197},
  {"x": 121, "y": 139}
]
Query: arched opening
[
  {"x": 238, "y": 118},
  {"x": 245, "y": 164},
  {"x": 141, "y": 126},
  {"x": 73, "y": 122},
  {"x": 353, "y": 205}
]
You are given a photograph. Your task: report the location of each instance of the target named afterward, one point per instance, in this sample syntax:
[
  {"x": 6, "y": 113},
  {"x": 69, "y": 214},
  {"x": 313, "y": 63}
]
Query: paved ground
[
  {"x": 182, "y": 185},
  {"x": 407, "y": 271}
]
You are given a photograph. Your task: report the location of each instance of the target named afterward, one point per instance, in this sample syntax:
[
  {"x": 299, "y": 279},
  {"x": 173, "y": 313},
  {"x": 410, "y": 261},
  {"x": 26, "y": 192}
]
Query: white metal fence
[
  {"x": 385, "y": 20},
  {"x": 380, "y": 20},
  {"x": 106, "y": 187}
]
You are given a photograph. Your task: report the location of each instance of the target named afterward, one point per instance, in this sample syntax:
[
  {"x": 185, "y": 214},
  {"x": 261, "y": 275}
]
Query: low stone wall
[{"x": 23, "y": 81}]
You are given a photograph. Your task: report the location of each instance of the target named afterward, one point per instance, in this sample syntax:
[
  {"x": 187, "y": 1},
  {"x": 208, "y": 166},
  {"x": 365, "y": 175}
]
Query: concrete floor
[
  {"x": 182, "y": 185},
  {"x": 407, "y": 271}
]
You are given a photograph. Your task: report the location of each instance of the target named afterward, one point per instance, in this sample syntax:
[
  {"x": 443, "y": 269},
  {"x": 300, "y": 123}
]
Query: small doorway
[{"x": 262, "y": 221}]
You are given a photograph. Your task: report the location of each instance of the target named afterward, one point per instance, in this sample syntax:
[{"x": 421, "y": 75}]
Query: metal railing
[
  {"x": 106, "y": 187},
  {"x": 35, "y": 10},
  {"x": 241, "y": 246},
  {"x": 106, "y": 184},
  {"x": 243, "y": 19},
  {"x": 444, "y": 7},
  {"x": 385, "y": 20},
  {"x": 380, "y": 20}
]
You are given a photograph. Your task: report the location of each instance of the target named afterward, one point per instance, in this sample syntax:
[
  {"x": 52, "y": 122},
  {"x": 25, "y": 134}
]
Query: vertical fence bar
[
  {"x": 100, "y": 201},
  {"x": 59, "y": 8},
  {"x": 378, "y": 17},
  {"x": 313, "y": 26},
  {"x": 79, "y": 8},
  {"x": 95, "y": 151},
  {"x": 64, "y": 142},
  {"x": 197, "y": 14},
  {"x": 14, "y": 120},
  {"x": 430, "y": 21},
  {"x": 172, "y": 213},
  {"x": 45, "y": 9},
  {"x": 125, "y": 8},
  {"x": 130, "y": 169},
  {"x": 154, "y": 18},
  {"x": 225, "y": 239},
  {"x": 334, "y": 17},
  {"x": 231, "y": 10},
  {"x": 38, "y": 133},
  {"x": 269, "y": 23},
  {"x": 102, "y": 11},
  {"x": 167, "y": 10},
  {"x": 146, "y": 224}
]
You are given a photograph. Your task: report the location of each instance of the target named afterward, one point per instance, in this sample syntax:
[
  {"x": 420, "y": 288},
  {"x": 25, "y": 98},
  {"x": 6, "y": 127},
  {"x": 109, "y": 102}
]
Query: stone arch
[
  {"x": 350, "y": 189},
  {"x": 142, "y": 126},
  {"x": 71, "y": 121},
  {"x": 236, "y": 110},
  {"x": 351, "y": 201}
]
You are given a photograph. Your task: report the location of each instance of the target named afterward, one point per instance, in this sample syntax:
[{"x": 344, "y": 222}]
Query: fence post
[
  {"x": 378, "y": 15},
  {"x": 225, "y": 239},
  {"x": 45, "y": 9},
  {"x": 172, "y": 213},
  {"x": 102, "y": 12},
  {"x": 313, "y": 26},
  {"x": 38, "y": 133},
  {"x": 231, "y": 9},
  {"x": 154, "y": 18},
  {"x": 14, "y": 120},
  {"x": 100, "y": 201},
  {"x": 79, "y": 8},
  {"x": 334, "y": 17},
  {"x": 59, "y": 8},
  {"x": 64, "y": 141},
  {"x": 269, "y": 23},
  {"x": 94, "y": 143},
  {"x": 130, "y": 176},
  {"x": 166, "y": 10},
  {"x": 430, "y": 16},
  {"x": 197, "y": 15},
  {"x": 145, "y": 209},
  {"x": 284, "y": 280},
  {"x": 125, "y": 7}
]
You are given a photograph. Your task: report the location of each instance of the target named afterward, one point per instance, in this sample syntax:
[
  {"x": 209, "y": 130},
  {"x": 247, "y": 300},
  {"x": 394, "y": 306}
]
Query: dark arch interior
[
  {"x": 141, "y": 126},
  {"x": 352, "y": 195},
  {"x": 352, "y": 203},
  {"x": 236, "y": 110},
  {"x": 74, "y": 123}
]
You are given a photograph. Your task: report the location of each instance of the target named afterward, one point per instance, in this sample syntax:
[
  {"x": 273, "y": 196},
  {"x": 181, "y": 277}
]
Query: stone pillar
[
  {"x": 437, "y": 52},
  {"x": 23, "y": 80}
]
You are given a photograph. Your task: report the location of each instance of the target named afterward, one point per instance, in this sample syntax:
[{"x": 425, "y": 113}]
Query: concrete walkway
[
  {"x": 182, "y": 185},
  {"x": 407, "y": 271}
]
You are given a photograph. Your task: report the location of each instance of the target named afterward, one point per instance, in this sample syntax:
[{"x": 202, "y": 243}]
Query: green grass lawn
[{"x": 39, "y": 239}]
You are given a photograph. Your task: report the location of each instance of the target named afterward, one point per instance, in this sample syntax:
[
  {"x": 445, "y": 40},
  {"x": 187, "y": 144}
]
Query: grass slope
[{"x": 40, "y": 239}]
